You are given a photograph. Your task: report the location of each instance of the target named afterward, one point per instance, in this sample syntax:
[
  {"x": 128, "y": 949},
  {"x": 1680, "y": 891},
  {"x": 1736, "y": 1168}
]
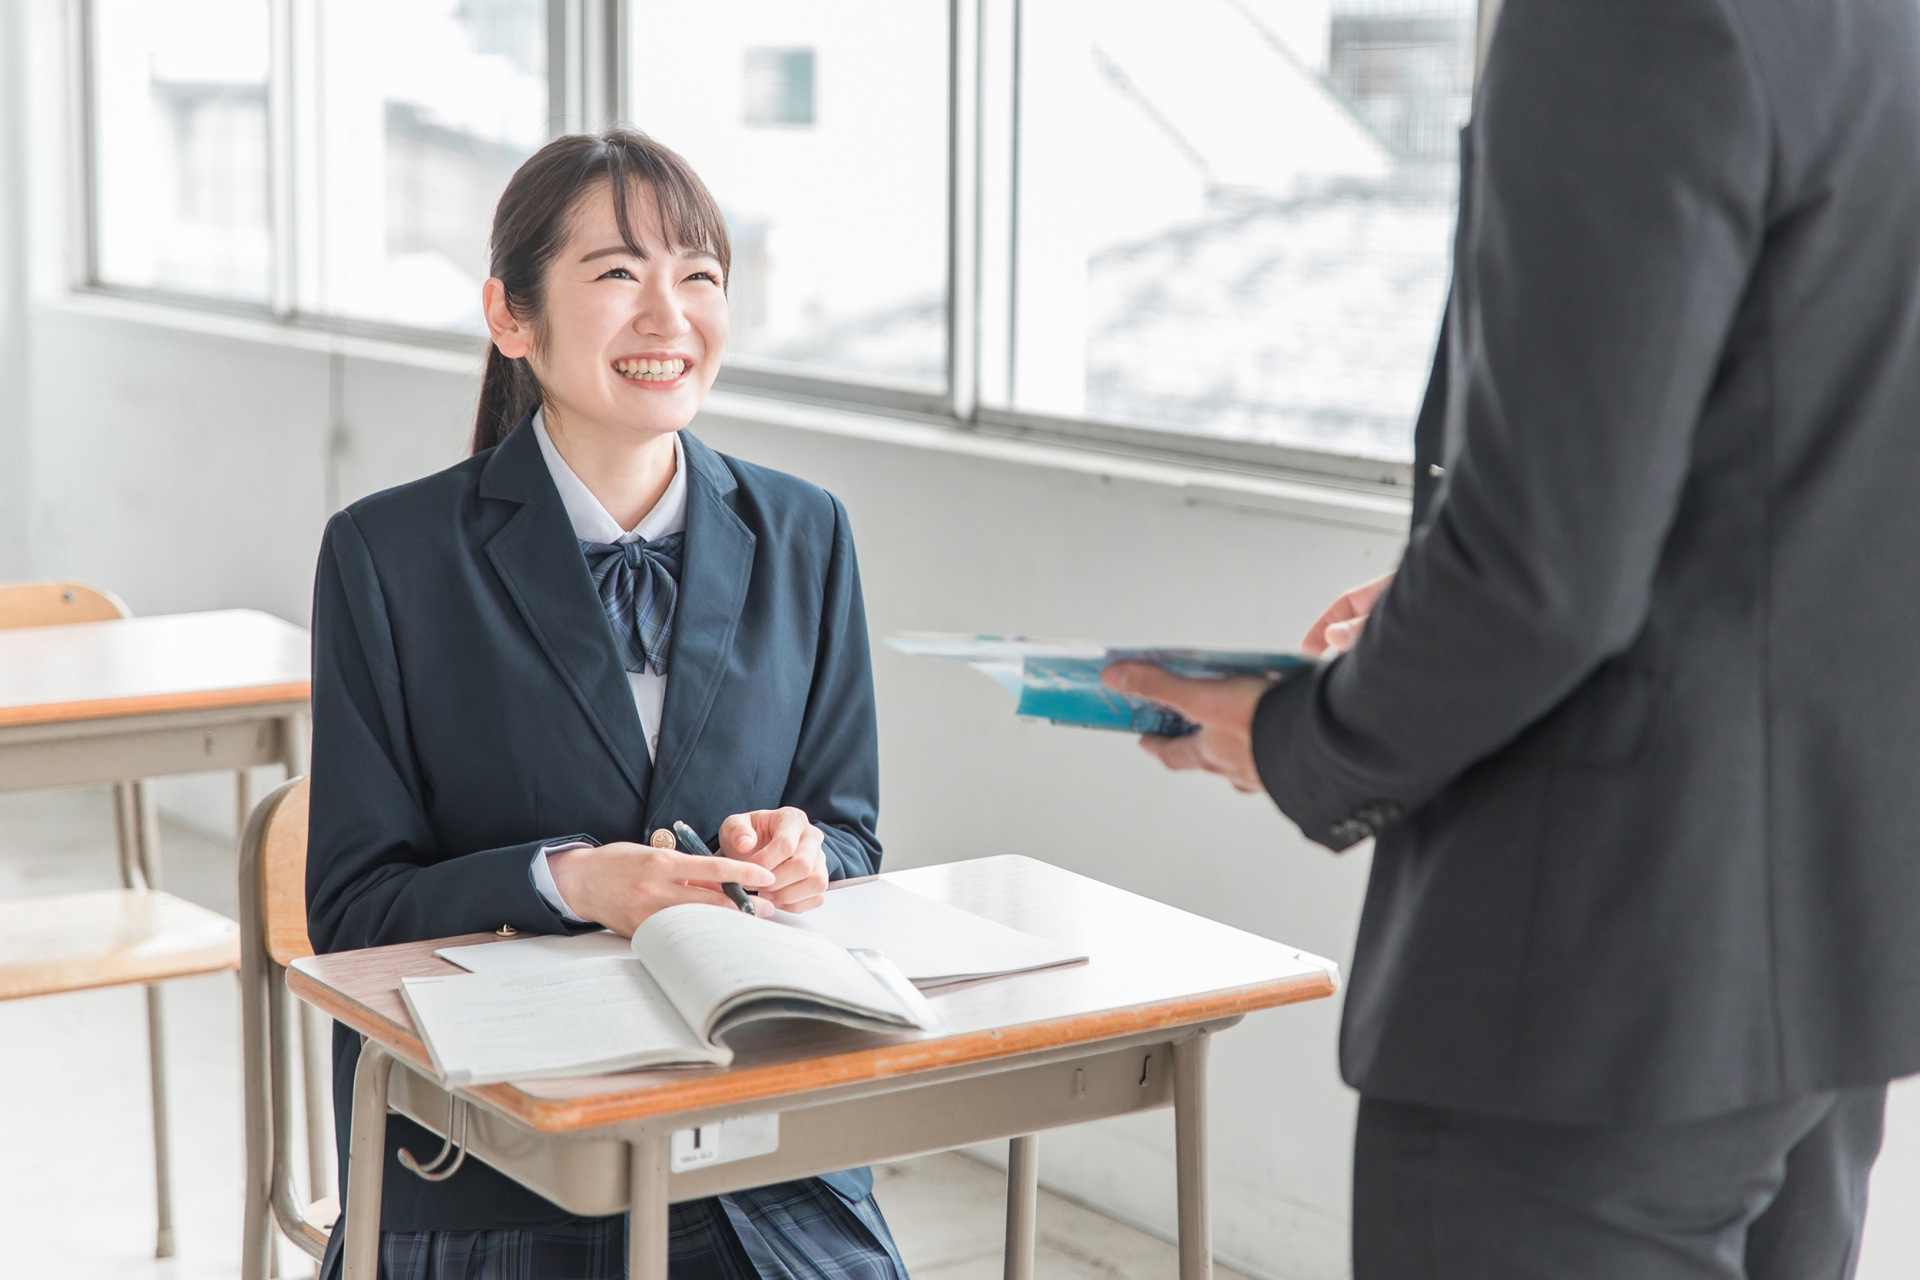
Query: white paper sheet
[
  {"x": 932, "y": 943},
  {"x": 536, "y": 952}
]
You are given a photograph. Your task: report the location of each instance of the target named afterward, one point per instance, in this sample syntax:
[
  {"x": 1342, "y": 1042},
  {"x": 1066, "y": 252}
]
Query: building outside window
[
  {"x": 416, "y": 113},
  {"x": 833, "y": 179},
  {"x": 1244, "y": 232},
  {"x": 1236, "y": 228},
  {"x": 180, "y": 168},
  {"x": 779, "y": 86}
]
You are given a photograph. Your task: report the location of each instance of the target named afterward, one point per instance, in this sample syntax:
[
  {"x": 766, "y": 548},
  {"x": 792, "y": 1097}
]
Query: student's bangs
[{"x": 690, "y": 220}]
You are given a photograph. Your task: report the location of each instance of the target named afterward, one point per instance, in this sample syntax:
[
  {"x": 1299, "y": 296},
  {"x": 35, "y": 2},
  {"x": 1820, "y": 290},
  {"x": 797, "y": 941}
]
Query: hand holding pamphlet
[{"x": 1059, "y": 680}]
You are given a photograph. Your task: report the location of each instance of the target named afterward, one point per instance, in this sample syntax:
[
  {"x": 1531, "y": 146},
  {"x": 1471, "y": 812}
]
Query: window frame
[{"x": 587, "y": 79}]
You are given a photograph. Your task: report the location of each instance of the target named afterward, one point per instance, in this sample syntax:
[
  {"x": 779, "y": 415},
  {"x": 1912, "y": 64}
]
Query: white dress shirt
[{"x": 592, "y": 523}]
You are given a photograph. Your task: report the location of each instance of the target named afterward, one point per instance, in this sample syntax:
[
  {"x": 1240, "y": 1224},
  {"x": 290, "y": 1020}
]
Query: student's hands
[
  {"x": 1339, "y": 627},
  {"x": 1222, "y": 708},
  {"x": 787, "y": 844},
  {"x": 619, "y": 885}
]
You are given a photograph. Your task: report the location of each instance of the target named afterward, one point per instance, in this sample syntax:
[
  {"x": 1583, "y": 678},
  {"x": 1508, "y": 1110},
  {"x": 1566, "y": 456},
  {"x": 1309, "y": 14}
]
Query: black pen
[{"x": 690, "y": 842}]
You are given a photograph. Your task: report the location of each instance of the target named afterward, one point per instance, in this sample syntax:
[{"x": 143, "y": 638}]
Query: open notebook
[
  {"x": 695, "y": 972},
  {"x": 932, "y": 943}
]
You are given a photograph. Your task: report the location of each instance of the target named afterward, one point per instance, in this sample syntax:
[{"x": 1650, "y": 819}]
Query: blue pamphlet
[{"x": 1059, "y": 680}]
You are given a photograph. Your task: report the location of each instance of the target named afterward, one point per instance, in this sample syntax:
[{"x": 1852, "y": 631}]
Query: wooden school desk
[
  {"x": 91, "y": 703},
  {"x": 101, "y": 702},
  {"x": 1127, "y": 1031}
]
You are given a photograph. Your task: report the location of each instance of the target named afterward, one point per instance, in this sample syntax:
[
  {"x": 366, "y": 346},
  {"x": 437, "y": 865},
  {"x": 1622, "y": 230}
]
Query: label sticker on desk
[{"x": 736, "y": 1139}]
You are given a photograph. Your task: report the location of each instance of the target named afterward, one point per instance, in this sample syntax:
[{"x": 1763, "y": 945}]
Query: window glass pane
[
  {"x": 413, "y": 116},
  {"x": 1244, "y": 232},
  {"x": 822, "y": 131},
  {"x": 180, "y": 145}
]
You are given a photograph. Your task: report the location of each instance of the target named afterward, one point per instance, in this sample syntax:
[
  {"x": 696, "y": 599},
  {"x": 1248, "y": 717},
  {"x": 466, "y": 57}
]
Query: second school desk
[
  {"x": 1125, "y": 1032},
  {"x": 91, "y": 703},
  {"x": 86, "y": 703}
]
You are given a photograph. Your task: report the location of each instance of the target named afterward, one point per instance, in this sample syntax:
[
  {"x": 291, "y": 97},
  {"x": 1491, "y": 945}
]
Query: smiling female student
[{"x": 592, "y": 627}]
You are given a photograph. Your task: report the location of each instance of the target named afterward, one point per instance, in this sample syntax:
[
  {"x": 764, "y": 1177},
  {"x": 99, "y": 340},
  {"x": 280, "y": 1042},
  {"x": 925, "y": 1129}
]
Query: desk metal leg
[
  {"x": 1023, "y": 1204},
  {"x": 647, "y": 1209},
  {"x": 293, "y": 743},
  {"x": 1190, "y": 1156},
  {"x": 144, "y": 824},
  {"x": 316, "y": 1079},
  {"x": 367, "y": 1165}
]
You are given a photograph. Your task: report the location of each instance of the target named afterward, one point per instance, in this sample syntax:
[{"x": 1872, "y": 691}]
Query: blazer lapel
[
  {"x": 713, "y": 590},
  {"x": 538, "y": 558}
]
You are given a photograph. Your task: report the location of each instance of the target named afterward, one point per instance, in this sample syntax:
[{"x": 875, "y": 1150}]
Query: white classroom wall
[
  {"x": 192, "y": 466},
  {"x": 193, "y": 474}
]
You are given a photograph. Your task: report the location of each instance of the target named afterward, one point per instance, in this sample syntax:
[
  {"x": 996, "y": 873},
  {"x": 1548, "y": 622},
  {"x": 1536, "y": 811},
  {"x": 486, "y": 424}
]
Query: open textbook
[
  {"x": 695, "y": 973},
  {"x": 932, "y": 943},
  {"x": 1059, "y": 680}
]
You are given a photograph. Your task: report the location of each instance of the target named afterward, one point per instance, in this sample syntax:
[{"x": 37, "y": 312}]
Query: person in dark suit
[
  {"x": 589, "y": 629},
  {"x": 1636, "y": 723}
]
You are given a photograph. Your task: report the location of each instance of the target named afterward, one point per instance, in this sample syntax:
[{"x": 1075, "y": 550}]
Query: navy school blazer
[{"x": 469, "y": 706}]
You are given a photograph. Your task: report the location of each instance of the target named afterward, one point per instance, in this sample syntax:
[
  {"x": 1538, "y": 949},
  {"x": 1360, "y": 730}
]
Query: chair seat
[
  {"x": 110, "y": 938},
  {"x": 322, "y": 1214}
]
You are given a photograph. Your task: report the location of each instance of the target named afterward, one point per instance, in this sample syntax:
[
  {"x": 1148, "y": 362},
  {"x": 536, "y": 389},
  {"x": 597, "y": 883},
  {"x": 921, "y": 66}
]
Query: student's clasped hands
[
  {"x": 778, "y": 853},
  {"x": 1224, "y": 708}
]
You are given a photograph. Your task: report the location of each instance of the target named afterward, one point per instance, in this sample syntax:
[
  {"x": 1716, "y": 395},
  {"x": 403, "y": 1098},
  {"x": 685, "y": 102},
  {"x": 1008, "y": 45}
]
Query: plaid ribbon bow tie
[{"x": 639, "y": 583}]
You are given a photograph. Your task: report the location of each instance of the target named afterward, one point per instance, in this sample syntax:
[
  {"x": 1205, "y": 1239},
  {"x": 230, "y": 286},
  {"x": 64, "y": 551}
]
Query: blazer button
[
  {"x": 506, "y": 931},
  {"x": 1377, "y": 814},
  {"x": 1435, "y": 470}
]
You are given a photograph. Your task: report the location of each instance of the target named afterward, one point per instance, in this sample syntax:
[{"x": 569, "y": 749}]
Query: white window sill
[
  {"x": 1377, "y": 508},
  {"x": 1385, "y": 510}
]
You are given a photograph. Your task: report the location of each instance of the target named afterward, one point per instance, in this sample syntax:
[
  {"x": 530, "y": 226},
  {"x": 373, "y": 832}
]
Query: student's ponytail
[
  {"x": 507, "y": 390},
  {"x": 530, "y": 225}
]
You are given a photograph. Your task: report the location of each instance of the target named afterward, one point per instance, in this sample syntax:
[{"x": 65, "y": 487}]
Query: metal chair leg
[
  {"x": 258, "y": 1248},
  {"x": 147, "y": 819},
  {"x": 242, "y": 806},
  {"x": 125, "y": 834},
  {"x": 1023, "y": 1204},
  {"x": 163, "y": 1183}
]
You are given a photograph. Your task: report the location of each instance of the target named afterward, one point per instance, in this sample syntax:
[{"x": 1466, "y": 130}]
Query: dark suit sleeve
[
  {"x": 835, "y": 777},
  {"x": 1429, "y": 434},
  {"x": 374, "y": 872},
  {"x": 1614, "y": 202}
]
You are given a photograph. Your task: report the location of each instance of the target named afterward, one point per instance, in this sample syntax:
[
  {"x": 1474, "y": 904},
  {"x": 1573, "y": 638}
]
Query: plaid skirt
[{"x": 789, "y": 1231}]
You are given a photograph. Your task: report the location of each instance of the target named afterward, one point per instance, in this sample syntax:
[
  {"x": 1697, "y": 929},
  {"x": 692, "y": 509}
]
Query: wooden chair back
[
  {"x": 283, "y": 878},
  {"x": 273, "y": 934},
  {"x": 46, "y": 604}
]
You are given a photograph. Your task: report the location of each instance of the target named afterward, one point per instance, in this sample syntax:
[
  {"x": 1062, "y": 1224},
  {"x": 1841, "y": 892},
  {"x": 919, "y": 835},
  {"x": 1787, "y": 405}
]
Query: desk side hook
[{"x": 431, "y": 1171}]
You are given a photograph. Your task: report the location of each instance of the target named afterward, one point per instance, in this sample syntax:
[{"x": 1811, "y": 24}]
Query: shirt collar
[{"x": 590, "y": 520}]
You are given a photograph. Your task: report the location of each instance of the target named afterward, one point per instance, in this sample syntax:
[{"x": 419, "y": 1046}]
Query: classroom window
[
  {"x": 419, "y": 112},
  {"x": 839, "y": 228},
  {"x": 179, "y": 100},
  {"x": 1244, "y": 232},
  {"x": 1231, "y": 235}
]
